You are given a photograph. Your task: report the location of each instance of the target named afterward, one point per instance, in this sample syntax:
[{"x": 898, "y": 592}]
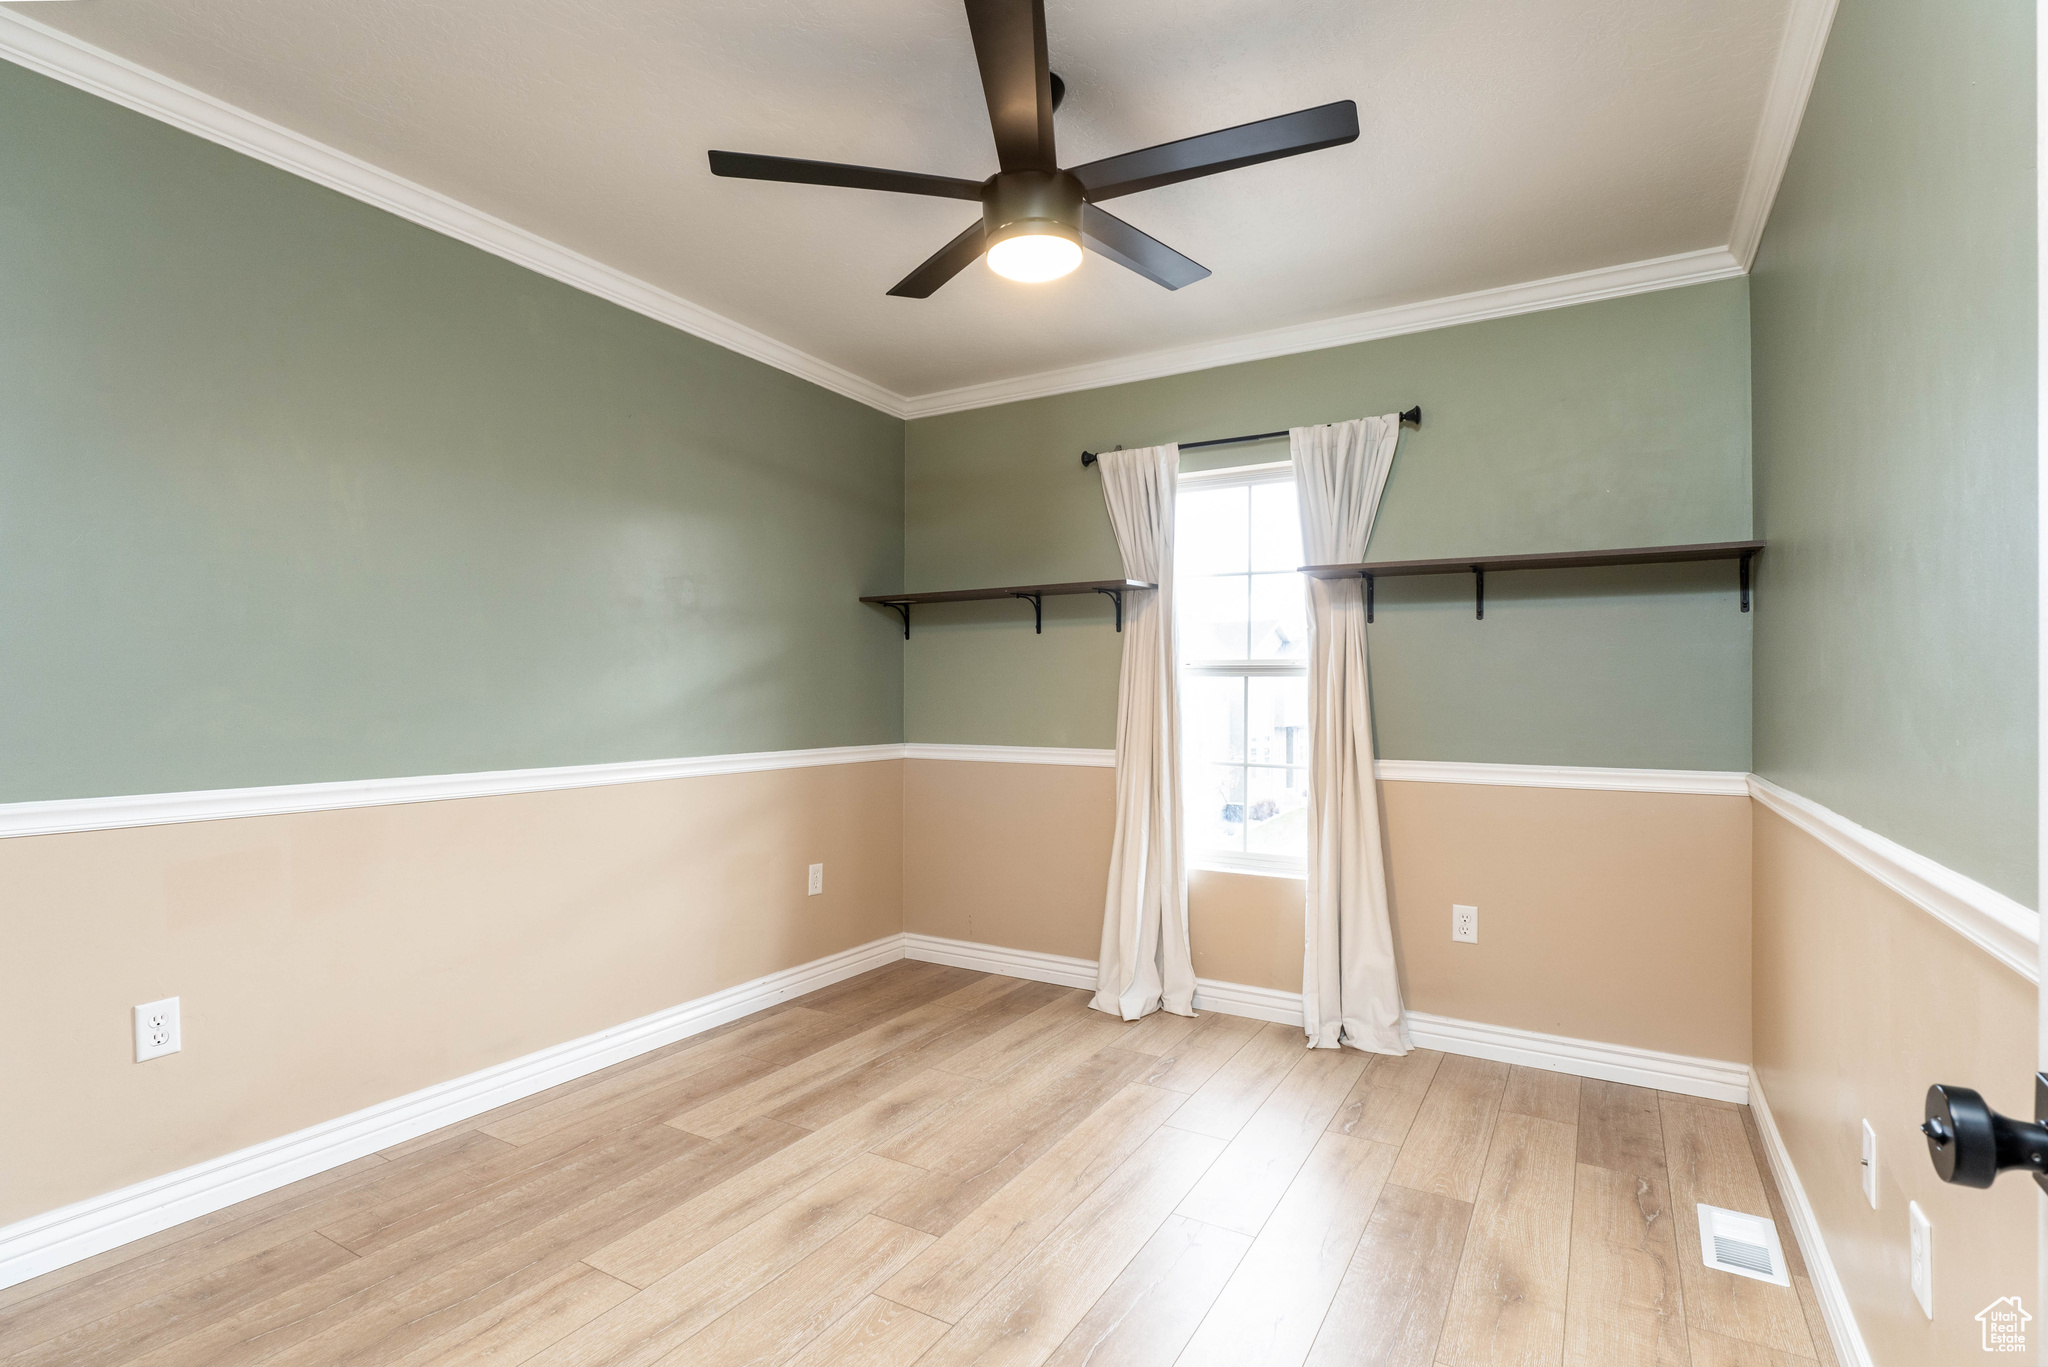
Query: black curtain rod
[{"x": 1412, "y": 418}]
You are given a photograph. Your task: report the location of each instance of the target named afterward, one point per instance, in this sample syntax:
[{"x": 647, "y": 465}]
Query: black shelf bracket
[
  {"x": 1037, "y": 611},
  {"x": 903, "y": 609},
  {"x": 1115, "y": 596},
  {"x": 1745, "y": 583},
  {"x": 1368, "y": 597},
  {"x": 1479, "y": 593}
]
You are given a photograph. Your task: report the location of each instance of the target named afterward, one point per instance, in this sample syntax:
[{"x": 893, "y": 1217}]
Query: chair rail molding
[
  {"x": 162, "y": 809},
  {"x": 1995, "y": 923}
]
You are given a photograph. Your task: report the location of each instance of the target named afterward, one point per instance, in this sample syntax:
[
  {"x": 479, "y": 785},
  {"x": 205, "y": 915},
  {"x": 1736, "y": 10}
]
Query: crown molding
[
  {"x": 1792, "y": 77},
  {"x": 97, "y": 72},
  {"x": 62, "y": 57},
  {"x": 1534, "y": 296}
]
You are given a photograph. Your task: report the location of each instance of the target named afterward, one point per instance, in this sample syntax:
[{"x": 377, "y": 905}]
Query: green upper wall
[
  {"x": 1620, "y": 423},
  {"x": 293, "y": 490},
  {"x": 1893, "y": 304}
]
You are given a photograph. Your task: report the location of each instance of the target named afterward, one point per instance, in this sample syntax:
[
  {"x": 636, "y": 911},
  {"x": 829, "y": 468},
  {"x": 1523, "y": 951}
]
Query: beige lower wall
[
  {"x": 332, "y": 960},
  {"x": 1620, "y": 917},
  {"x": 1862, "y": 1001}
]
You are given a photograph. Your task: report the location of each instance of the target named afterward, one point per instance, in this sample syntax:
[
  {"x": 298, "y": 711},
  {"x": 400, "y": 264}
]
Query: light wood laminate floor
[{"x": 930, "y": 1165}]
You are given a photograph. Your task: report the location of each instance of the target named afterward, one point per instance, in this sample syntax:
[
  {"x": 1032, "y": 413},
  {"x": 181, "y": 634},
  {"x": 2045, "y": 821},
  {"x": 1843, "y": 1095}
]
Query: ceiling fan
[{"x": 1035, "y": 216}]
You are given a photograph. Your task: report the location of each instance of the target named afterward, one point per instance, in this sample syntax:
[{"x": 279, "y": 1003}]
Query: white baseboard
[
  {"x": 1681, "y": 1073},
  {"x": 1715, "y": 1078},
  {"x": 51, "y": 1240},
  {"x": 1820, "y": 1268}
]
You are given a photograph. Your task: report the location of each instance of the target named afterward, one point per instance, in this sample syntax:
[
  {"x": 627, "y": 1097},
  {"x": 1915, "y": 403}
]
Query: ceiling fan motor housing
[{"x": 1022, "y": 203}]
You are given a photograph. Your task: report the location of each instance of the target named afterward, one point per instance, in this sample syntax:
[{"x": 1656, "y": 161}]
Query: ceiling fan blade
[
  {"x": 1009, "y": 44},
  {"x": 747, "y": 166},
  {"x": 951, "y": 259},
  {"x": 1138, "y": 251},
  {"x": 1305, "y": 130}
]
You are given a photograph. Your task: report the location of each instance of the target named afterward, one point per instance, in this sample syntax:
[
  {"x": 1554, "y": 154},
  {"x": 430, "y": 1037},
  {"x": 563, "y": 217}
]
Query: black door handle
[{"x": 1970, "y": 1144}]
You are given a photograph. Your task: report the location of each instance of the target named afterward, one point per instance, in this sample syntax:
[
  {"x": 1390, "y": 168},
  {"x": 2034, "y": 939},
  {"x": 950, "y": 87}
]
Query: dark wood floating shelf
[
  {"x": 1478, "y": 565},
  {"x": 1112, "y": 589}
]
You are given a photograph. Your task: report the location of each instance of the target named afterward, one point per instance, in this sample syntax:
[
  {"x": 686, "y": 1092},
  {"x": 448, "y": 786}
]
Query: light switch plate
[
  {"x": 1870, "y": 1165},
  {"x": 158, "y": 1030}
]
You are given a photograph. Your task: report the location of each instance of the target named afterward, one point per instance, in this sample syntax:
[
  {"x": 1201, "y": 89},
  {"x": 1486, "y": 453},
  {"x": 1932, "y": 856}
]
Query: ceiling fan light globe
[{"x": 1034, "y": 258}]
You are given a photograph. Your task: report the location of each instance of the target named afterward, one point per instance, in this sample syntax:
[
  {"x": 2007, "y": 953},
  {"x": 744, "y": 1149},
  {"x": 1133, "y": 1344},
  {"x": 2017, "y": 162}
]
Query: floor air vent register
[{"x": 1746, "y": 1245}]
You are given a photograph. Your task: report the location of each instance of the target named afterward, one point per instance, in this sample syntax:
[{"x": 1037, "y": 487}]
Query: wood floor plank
[
  {"x": 669, "y": 1311},
  {"x": 1158, "y": 1034},
  {"x": 1389, "y": 1308},
  {"x": 1028, "y": 1313},
  {"x": 969, "y": 1175},
  {"x": 1269, "y": 1313},
  {"x": 963, "y": 1138},
  {"x": 535, "y": 1171},
  {"x": 1508, "y": 1306},
  {"x": 103, "y": 1286},
  {"x": 1152, "y": 1309},
  {"x": 1222, "y": 1105},
  {"x": 1445, "y": 1151},
  {"x": 1717, "y": 1350},
  {"x": 1020, "y": 995},
  {"x": 825, "y": 1100},
  {"x": 1544, "y": 1094},
  {"x": 1202, "y": 1052},
  {"x": 733, "y": 1053},
  {"x": 878, "y": 1333},
  {"x": 971, "y": 1257},
  {"x": 792, "y": 1080},
  {"x": 668, "y": 1242},
  {"x": 1624, "y": 1304},
  {"x": 1248, "y": 1181},
  {"x": 777, "y": 1321},
  {"x": 900, "y": 987},
  {"x": 1709, "y": 1159},
  {"x": 526, "y": 1324},
  {"x": 1009, "y": 1047},
  {"x": 135, "y": 1329},
  {"x": 387, "y": 1304},
  {"x": 1621, "y": 1128},
  {"x": 1383, "y": 1103}
]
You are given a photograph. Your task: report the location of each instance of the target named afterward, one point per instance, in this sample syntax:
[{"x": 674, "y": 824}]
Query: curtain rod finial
[{"x": 1413, "y": 417}]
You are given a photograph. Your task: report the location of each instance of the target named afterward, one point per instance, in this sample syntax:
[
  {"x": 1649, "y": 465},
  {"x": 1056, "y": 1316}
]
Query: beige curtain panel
[
  {"x": 1350, "y": 991},
  {"x": 1145, "y": 964}
]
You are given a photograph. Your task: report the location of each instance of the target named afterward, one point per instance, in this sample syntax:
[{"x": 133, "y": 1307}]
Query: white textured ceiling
[{"x": 1500, "y": 143}]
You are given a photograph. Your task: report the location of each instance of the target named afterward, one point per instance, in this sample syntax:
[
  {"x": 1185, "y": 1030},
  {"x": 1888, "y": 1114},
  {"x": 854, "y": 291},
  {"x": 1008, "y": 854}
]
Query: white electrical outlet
[
  {"x": 1465, "y": 924},
  {"x": 157, "y": 1031},
  {"x": 1870, "y": 1165},
  {"x": 817, "y": 879},
  {"x": 1923, "y": 1257}
]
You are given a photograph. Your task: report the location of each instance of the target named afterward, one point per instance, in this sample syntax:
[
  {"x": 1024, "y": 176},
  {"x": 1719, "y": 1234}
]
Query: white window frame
[{"x": 1243, "y": 861}]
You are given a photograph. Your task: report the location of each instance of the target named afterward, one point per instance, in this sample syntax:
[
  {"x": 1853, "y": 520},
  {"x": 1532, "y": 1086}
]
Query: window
[{"x": 1243, "y": 627}]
